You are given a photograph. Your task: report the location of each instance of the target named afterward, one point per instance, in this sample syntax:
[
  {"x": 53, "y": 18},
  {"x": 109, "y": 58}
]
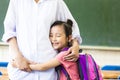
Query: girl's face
[{"x": 58, "y": 38}]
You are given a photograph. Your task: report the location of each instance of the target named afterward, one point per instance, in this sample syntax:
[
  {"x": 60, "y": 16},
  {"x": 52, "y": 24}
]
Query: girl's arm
[{"x": 45, "y": 66}]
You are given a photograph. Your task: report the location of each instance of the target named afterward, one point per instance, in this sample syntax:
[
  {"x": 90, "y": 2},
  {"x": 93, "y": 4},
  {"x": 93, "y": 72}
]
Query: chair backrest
[
  {"x": 3, "y": 64},
  {"x": 111, "y": 67}
]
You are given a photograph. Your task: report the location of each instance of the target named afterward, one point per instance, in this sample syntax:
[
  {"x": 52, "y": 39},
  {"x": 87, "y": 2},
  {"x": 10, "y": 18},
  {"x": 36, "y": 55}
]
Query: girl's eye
[
  {"x": 50, "y": 36},
  {"x": 58, "y": 35}
]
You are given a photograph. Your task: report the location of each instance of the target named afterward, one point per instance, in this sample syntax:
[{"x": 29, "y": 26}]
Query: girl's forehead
[{"x": 57, "y": 27}]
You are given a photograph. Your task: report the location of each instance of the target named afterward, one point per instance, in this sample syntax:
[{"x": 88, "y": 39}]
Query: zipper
[{"x": 87, "y": 66}]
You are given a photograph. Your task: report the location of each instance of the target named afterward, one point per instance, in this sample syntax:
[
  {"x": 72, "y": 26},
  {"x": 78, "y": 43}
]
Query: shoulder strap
[
  {"x": 59, "y": 69},
  {"x": 95, "y": 68},
  {"x": 66, "y": 73},
  {"x": 87, "y": 66},
  {"x": 58, "y": 72},
  {"x": 80, "y": 70}
]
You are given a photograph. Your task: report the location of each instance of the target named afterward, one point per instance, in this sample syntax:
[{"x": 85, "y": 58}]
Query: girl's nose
[{"x": 53, "y": 38}]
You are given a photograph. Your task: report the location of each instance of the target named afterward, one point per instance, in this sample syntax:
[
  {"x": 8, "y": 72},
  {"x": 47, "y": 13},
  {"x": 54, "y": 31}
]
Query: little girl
[{"x": 61, "y": 38}]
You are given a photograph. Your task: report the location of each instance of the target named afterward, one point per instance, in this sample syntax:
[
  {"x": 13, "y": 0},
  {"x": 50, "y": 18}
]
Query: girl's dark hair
[{"x": 66, "y": 25}]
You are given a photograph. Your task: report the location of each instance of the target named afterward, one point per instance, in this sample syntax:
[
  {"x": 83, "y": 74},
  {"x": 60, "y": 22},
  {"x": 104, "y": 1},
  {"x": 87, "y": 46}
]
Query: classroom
[{"x": 99, "y": 24}]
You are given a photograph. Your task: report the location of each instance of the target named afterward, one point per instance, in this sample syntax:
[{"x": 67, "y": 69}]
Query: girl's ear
[{"x": 70, "y": 38}]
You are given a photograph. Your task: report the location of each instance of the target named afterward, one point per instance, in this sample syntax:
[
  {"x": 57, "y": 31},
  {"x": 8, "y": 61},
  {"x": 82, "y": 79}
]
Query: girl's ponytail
[{"x": 69, "y": 22}]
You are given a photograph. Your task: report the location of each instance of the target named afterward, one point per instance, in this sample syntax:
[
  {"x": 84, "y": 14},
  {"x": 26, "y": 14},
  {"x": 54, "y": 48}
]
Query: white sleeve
[
  {"x": 63, "y": 14},
  {"x": 9, "y": 22}
]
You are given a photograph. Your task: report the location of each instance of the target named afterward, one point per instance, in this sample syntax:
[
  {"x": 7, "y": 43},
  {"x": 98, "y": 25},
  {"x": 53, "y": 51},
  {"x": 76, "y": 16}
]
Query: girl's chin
[{"x": 56, "y": 48}]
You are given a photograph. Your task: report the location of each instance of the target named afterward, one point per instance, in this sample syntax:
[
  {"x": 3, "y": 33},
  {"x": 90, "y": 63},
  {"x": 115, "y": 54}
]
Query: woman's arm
[
  {"x": 10, "y": 37},
  {"x": 19, "y": 60},
  {"x": 73, "y": 51},
  {"x": 64, "y": 14},
  {"x": 45, "y": 66}
]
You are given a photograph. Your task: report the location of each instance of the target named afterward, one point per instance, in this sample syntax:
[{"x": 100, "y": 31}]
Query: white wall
[
  {"x": 3, "y": 52},
  {"x": 102, "y": 55}
]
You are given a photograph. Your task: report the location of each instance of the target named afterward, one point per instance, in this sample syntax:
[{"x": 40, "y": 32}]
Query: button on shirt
[{"x": 30, "y": 22}]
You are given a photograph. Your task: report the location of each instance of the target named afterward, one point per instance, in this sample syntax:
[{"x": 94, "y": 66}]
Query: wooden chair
[
  {"x": 3, "y": 70},
  {"x": 110, "y": 72}
]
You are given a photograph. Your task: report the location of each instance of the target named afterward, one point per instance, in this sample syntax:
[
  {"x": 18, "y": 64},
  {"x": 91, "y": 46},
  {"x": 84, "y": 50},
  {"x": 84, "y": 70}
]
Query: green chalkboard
[
  {"x": 98, "y": 20},
  {"x": 3, "y": 9}
]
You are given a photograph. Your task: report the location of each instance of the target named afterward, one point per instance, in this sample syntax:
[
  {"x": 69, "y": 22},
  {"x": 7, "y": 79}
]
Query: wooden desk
[
  {"x": 110, "y": 74},
  {"x": 4, "y": 74},
  {"x": 105, "y": 73}
]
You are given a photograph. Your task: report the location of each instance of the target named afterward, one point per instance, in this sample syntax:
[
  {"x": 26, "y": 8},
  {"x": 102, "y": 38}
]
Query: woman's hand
[
  {"x": 19, "y": 60},
  {"x": 21, "y": 63},
  {"x": 73, "y": 52}
]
